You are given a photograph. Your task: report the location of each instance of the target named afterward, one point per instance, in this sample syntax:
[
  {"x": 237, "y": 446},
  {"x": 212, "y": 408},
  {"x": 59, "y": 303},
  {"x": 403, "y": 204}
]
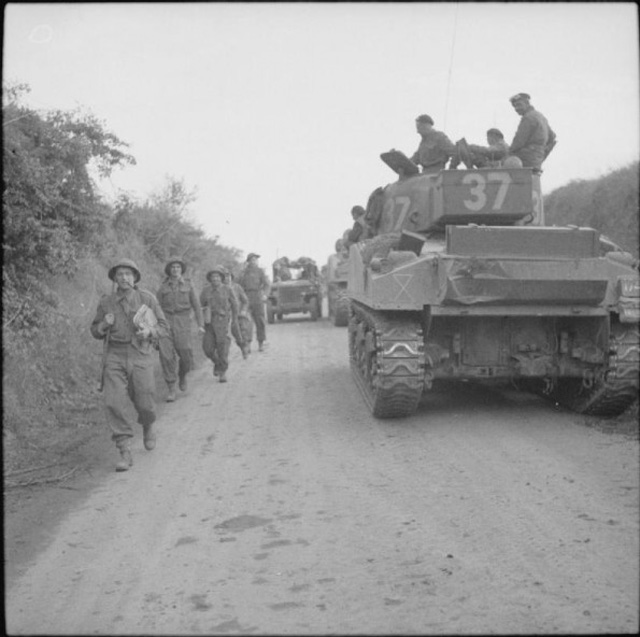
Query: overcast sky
[{"x": 277, "y": 113}]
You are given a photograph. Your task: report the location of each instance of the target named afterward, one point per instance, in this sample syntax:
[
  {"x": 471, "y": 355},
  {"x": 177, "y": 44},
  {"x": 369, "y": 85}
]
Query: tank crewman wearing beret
[
  {"x": 534, "y": 139},
  {"x": 256, "y": 285},
  {"x": 177, "y": 299},
  {"x": 220, "y": 309},
  {"x": 128, "y": 370},
  {"x": 490, "y": 156},
  {"x": 435, "y": 148}
]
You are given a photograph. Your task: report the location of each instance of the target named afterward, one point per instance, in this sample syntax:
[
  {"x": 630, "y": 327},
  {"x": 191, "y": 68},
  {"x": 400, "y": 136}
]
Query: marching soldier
[
  {"x": 177, "y": 299},
  {"x": 256, "y": 285},
  {"x": 220, "y": 309},
  {"x": 242, "y": 331},
  {"x": 130, "y": 321}
]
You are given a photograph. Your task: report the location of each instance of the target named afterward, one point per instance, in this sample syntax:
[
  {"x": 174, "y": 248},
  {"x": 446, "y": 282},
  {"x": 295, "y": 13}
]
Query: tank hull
[{"x": 542, "y": 307}]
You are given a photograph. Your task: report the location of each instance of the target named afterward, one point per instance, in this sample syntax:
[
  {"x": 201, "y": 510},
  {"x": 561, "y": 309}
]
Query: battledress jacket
[
  {"x": 220, "y": 306},
  {"x": 253, "y": 280},
  {"x": 533, "y": 140},
  {"x": 434, "y": 151},
  {"x": 177, "y": 299},
  {"x": 124, "y": 305}
]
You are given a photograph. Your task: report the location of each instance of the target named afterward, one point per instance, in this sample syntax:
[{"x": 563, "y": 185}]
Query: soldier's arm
[
  {"x": 522, "y": 135},
  {"x": 98, "y": 325},
  {"x": 447, "y": 145},
  {"x": 551, "y": 142},
  {"x": 233, "y": 303},
  {"x": 163, "y": 328},
  {"x": 195, "y": 304}
]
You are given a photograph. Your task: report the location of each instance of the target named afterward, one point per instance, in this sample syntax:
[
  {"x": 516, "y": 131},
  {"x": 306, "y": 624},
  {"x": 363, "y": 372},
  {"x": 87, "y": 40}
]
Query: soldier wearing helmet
[
  {"x": 129, "y": 321},
  {"x": 178, "y": 299},
  {"x": 220, "y": 310},
  {"x": 534, "y": 139},
  {"x": 242, "y": 331},
  {"x": 256, "y": 286}
]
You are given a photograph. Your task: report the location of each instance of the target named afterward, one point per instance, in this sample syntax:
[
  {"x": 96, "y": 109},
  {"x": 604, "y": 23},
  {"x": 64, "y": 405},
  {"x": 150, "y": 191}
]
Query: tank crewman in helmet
[
  {"x": 220, "y": 310},
  {"x": 130, "y": 331},
  {"x": 256, "y": 285},
  {"x": 177, "y": 298},
  {"x": 534, "y": 139},
  {"x": 242, "y": 331},
  {"x": 435, "y": 147}
]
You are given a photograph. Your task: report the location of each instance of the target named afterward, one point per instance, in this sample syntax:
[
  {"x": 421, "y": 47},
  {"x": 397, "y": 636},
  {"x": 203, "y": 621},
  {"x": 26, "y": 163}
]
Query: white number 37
[{"x": 477, "y": 183}]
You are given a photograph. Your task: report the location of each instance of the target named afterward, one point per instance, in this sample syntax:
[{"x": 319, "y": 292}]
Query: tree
[{"x": 51, "y": 209}]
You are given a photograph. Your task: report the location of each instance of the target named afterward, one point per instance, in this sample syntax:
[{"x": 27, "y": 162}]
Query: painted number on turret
[
  {"x": 478, "y": 183},
  {"x": 395, "y": 212}
]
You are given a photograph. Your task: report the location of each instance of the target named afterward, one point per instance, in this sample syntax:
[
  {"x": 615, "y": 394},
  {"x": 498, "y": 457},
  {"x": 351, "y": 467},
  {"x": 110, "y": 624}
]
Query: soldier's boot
[
  {"x": 245, "y": 351},
  {"x": 149, "y": 436},
  {"x": 183, "y": 383},
  {"x": 223, "y": 377},
  {"x": 126, "y": 460},
  {"x": 171, "y": 396},
  {"x": 261, "y": 347}
]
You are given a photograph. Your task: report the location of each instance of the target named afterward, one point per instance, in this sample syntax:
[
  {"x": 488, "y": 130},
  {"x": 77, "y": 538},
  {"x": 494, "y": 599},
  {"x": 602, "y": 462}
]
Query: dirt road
[{"x": 277, "y": 504}]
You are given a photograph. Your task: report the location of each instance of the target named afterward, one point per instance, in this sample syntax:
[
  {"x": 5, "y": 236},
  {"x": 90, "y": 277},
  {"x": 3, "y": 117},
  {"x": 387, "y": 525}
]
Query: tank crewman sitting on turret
[
  {"x": 475, "y": 156},
  {"x": 435, "y": 148},
  {"x": 534, "y": 139}
]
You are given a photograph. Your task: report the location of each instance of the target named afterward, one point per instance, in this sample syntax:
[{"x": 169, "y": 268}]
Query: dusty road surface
[{"x": 275, "y": 504}]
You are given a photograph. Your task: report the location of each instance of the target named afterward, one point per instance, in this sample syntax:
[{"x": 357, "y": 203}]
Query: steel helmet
[
  {"x": 218, "y": 269},
  {"x": 125, "y": 263},
  {"x": 171, "y": 261}
]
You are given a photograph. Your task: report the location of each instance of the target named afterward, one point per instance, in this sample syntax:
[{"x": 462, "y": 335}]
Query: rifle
[{"x": 105, "y": 349}]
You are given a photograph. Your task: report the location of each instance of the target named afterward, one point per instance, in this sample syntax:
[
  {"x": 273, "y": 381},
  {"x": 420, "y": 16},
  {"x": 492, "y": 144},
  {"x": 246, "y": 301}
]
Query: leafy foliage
[{"x": 608, "y": 204}]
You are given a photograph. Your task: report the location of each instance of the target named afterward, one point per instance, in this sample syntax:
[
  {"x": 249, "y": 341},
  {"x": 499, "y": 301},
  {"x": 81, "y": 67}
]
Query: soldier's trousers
[
  {"x": 176, "y": 351},
  {"x": 215, "y": 344},
  {"x": 129, "y": 388},
  {"x": 176, "y": 362},
  {"x": 256, "y": 308}
]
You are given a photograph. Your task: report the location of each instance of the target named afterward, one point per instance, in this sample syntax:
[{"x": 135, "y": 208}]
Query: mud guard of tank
[{"x": 471, "y": 281}]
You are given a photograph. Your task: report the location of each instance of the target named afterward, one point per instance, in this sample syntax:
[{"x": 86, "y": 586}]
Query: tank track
[
  {"x": 613, "y": 392},
  {"x": 387, "y": 360}
]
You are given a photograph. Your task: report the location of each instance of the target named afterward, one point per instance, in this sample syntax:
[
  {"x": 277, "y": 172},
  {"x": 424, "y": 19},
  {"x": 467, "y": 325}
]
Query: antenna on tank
[{"x": 453, "y": 45}]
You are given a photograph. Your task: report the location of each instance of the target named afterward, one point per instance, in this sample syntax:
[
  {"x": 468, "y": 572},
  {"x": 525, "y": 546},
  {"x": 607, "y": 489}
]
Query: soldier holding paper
[{"x": 130, "y": 321}]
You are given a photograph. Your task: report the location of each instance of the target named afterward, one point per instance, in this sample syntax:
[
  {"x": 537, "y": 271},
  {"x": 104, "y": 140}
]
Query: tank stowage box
[{"x": 463, "y": 281}]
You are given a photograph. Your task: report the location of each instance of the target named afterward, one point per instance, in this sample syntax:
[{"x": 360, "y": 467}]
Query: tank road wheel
[
  {"x": 387, "y": 361},
  {"x": 270, "y": 316},
  {"x": 613, "y": 392}
]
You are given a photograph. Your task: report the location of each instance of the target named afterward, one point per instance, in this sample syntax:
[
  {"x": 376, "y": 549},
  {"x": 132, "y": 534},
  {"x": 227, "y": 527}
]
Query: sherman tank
[
  {"x": 337, "y": 272},
  {"x": 463, "y": 281}
]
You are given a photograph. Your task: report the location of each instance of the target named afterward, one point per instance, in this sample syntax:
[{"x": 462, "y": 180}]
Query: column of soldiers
[{"x": 134, "y": 323}]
